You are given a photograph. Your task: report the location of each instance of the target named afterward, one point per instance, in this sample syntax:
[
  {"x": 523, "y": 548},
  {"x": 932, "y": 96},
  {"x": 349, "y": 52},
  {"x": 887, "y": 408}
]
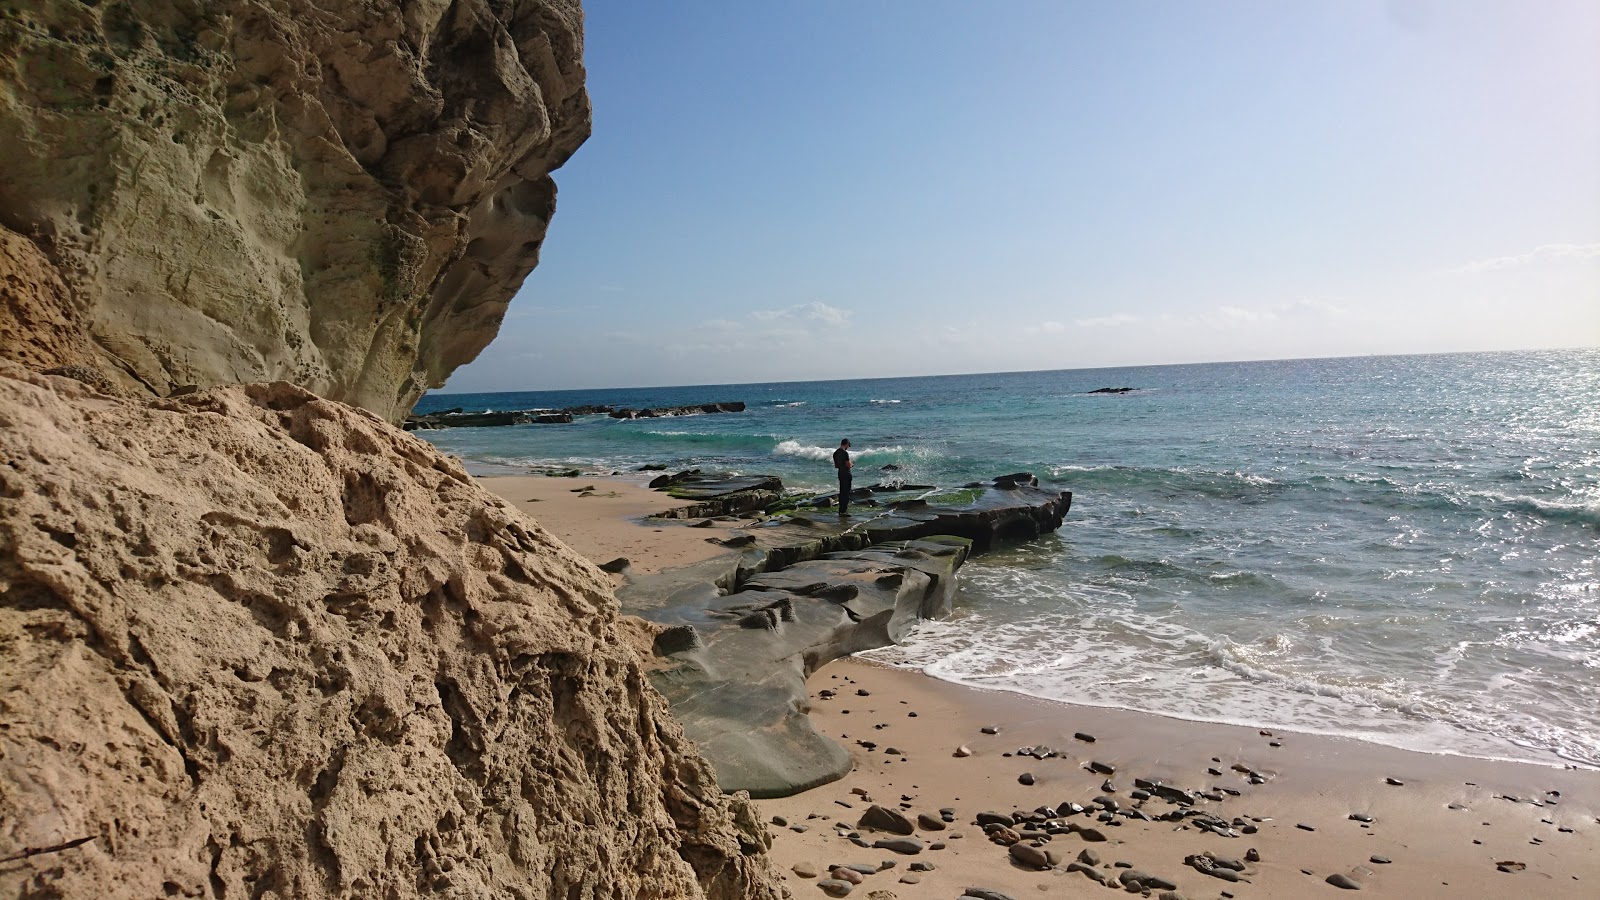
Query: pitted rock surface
[{"x": 258, "y": 643}]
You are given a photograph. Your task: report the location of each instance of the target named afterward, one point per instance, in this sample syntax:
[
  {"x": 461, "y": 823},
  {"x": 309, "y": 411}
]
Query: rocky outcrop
[
  {"x": 734, "y": 666},
  {"x": 344, "y": 196},
  {"x": 717, "y": 494},
  {"x": 738, "y": 633},
  {"x": 258, "y": 643}
]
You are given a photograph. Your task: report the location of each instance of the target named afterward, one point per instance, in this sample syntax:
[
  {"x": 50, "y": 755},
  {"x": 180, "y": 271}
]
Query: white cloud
[
  {"x": 1046, "y": 328},
  {"x": 1228, "y": 316},
  {"x": 815, "y": 310},
  {"x": 1111, "y": 321},
  {"x": 1544, "y": 253}
]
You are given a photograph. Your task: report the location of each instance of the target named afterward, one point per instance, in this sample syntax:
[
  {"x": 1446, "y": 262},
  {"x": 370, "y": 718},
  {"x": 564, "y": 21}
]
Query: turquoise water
[{"x": 1402, "y": 549}]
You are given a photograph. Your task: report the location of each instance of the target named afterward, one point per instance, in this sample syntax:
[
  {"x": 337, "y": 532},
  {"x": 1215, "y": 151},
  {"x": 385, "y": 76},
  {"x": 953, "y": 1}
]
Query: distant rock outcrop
[
  {"x": 344, "y": 196},
  {"x": 256, "y": 643}
]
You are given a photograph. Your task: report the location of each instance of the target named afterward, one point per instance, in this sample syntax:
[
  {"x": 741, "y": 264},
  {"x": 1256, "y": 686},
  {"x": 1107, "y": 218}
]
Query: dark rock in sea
[
  {"x": 552, "y": 419},
  {"x": 652, "y": 467},
  {"x": 880, "y": 818},
  {"x": 1113, "y": 390},
  {"x": 668, "y": 411}
]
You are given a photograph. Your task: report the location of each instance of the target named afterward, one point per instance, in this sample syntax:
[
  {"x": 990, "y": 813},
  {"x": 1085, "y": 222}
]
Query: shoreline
[{"x": 1427, "y": 825}]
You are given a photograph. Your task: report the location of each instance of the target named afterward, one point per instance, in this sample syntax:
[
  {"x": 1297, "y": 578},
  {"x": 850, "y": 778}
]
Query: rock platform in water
[{"x": 738, "y": 634}]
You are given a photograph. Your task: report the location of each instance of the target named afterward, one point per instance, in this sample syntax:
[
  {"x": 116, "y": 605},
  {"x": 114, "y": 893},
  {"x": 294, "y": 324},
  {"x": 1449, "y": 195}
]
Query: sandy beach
[
  {"x": 1290, "y": 810},
  {"x": 602, "y": 518}
]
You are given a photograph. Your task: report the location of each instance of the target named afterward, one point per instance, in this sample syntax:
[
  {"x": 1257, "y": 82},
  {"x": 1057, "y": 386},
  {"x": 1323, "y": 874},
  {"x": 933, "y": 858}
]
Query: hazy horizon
[
  {"x": 835, "y": 191},
  {"x": 444, "y": 392}
]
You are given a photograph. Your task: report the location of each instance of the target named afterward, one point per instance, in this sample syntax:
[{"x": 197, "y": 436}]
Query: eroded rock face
[
  {"x": 342, "y": 195},
  {"x": 261, "y": 644}
]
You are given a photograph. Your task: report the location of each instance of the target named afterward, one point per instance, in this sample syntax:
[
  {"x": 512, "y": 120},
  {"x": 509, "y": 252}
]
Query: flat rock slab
[
  {"x": 739, "y": 691},
  {"x": 718, "y": 493}
]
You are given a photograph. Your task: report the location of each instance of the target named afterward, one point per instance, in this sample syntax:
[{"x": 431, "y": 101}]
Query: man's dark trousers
[{"x": 844, "y": 491}]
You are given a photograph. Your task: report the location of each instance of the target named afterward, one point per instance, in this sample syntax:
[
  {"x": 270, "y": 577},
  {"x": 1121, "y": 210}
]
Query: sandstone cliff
[
  {"x": 260, "y": 644},
  {"x": 341, "y": 195}
]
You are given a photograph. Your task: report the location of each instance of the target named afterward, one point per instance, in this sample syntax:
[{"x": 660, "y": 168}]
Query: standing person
[{"x": 842, "y": 462}]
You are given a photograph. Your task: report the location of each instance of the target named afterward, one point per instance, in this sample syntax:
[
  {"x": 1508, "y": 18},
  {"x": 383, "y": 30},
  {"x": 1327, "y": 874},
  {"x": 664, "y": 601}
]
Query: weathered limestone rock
[
  {"x": 344, "y": 196},
  {"x": 257, "y": 643}
]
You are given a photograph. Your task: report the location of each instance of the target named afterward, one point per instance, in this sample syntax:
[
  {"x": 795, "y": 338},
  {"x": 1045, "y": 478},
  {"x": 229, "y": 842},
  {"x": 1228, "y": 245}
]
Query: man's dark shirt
[{"x": 841, "y": 461}]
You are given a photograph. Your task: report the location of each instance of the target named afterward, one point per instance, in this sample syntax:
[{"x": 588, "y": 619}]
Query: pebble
[
  {"x": 841, "y": 873},
  {"x": 799, "y": 829},
  {"x": 1304, "y": 827},
  {"x": 1085, "y": 737},
  {"x": 1029, "y": 855},
  {"x": 910, "y": 879},
  {"x": 990, "y": 729},
  {"x": 1252, "y": 855},
  {"x": 1025, "y": 778},
  {"x": 805, "y": 869},
  {"x": 1360, "y": 817},
  {"x": 908, "y": 846},
  {"x": 1380, "y": 860},
  {"x": 979, "y": 893},
  {"x": 882, "y": 818},
  {"x": 1341, "y": 880},
  {"x": 1108, "y": 786},
  {"x": 1101, "y": 768},
  {"x": 1394, "y": 781},
  {"x": 833, "y": 887},
  {"x": 1090, "y": 871},
  {"x": 928, "y": 822},
  {"x": 962, "y": 752}
]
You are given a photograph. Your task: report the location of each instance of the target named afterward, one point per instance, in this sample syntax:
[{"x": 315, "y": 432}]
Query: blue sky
[{"x": 830, "y": 189}]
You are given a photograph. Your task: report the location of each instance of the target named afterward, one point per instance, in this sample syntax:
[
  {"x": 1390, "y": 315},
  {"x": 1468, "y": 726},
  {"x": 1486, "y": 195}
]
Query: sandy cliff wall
[
  {"x": 344, "y": 195},
  {"x": 261, "y": 644}
]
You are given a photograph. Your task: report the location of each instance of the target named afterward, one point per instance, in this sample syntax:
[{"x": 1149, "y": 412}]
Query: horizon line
[{"x": 1214, "y": 362}]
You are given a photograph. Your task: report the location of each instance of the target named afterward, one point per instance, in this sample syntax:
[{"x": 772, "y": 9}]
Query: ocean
[{"x": 1398, "y": 549}]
